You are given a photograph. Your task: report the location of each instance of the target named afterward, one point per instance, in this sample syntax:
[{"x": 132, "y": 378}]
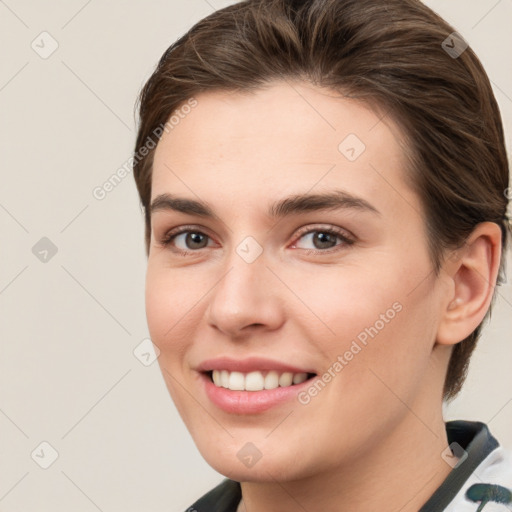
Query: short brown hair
[{"x": 388, "y": 54}]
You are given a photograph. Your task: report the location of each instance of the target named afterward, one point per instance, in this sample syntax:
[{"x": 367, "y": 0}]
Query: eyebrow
[{"x": 295, "y": 204}]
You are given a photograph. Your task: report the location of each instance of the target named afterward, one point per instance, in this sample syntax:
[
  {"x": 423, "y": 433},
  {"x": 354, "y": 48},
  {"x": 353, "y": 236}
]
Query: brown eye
[
  {"x": 186, "y": 240},
  {"x": 195, "y": 240},
  {"x": 322, "y": 240}
]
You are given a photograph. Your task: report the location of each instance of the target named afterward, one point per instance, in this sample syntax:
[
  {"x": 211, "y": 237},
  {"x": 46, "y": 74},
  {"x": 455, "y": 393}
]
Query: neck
[{"x": 399, "y": 473}]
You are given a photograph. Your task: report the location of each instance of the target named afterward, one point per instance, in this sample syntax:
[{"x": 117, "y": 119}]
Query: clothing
[{"x": 481, "y": 479}]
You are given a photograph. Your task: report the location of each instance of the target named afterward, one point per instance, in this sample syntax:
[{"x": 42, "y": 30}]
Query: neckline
[{"x": 476, "y": 440}]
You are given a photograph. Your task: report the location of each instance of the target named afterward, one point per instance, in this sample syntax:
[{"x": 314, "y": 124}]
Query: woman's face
[{"x": 301, "y": 251}]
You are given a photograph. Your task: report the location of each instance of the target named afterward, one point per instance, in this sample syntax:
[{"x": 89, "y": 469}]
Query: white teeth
[
  {"x": 286, "y": 379},
  {"x": 256, "y": 381},
  {"x": 272, "y": 380},
  {"x": 224, "y": 378},
  {"x": 299, "y": 378},
  {"x": 236, "y": 381}
]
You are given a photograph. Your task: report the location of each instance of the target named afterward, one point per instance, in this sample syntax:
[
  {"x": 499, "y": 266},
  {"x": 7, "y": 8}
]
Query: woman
[{"x": 326, "y": 216}]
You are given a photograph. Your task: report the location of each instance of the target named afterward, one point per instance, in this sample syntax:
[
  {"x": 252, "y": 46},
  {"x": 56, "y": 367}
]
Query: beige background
[{"x": 69, "y": 326}]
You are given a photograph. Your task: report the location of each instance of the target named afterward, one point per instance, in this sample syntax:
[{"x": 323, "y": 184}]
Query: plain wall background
[{"x": 69, "y": 326}]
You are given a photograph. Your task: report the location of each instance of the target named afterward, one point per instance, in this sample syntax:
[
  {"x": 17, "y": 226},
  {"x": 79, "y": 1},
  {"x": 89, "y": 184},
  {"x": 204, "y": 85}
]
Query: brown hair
[{"x": 388, "y": 54}]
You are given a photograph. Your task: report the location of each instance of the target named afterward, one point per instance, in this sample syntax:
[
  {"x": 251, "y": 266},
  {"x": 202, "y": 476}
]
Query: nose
[{"x": 246, "y": 298}]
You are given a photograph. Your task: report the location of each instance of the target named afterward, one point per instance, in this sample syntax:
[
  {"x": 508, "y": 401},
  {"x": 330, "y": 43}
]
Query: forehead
[{"x": 287, "y": 137}]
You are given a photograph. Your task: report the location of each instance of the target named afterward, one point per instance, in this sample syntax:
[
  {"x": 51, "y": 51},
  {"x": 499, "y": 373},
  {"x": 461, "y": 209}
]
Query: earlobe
[{"x": 473, "y": 275}]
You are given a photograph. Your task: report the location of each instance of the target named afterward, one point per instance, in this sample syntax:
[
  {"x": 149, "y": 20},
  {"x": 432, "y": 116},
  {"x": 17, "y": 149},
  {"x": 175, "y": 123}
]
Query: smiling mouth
[{"x": 256, "y": 380}]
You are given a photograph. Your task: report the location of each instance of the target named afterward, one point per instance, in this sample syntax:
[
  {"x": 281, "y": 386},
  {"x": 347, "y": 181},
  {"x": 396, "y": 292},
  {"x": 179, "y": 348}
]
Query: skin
[{"x": 372, "y": 438}]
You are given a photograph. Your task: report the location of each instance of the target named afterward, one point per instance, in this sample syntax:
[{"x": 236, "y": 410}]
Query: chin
[{"x": 244, "y": 462}]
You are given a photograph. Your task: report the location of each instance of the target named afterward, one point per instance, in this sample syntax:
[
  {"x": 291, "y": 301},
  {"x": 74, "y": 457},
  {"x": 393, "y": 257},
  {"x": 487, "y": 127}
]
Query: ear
[{"x": 472, "y": 273}]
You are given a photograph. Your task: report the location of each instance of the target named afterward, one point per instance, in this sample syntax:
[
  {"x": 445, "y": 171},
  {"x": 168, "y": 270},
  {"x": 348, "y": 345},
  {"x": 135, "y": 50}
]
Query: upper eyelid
[
  {"x": 304, "y": 229},
  {"x": 336, "y": 229},
  {"x": 186, "y": 229}
]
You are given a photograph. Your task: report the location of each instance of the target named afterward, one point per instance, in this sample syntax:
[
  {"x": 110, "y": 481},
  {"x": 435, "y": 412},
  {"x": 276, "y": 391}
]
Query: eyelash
[{"x": 346, "y": 240}]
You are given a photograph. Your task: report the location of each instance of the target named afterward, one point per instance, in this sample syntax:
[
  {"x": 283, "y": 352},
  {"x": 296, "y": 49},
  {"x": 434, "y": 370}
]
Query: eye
[
  {"x": 323, "y": 239},
  {"x": 185, "y": 240},
  {"x": 191, "y": 240}
]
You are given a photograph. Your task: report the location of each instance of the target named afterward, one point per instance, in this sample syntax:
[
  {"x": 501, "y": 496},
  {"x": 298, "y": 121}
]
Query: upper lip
[{"x": 249, "y": 364}]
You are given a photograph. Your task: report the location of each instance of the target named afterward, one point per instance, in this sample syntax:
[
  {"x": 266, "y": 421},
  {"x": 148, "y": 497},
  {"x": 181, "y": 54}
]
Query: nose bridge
[
  {"x": 241, "y": 283},
  {"x": 243, "y": 297}
]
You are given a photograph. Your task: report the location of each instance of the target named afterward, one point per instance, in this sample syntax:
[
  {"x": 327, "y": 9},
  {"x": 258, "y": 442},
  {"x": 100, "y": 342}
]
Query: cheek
[
  {"x": 373, "y": 316},
  {"x": 390, "y": 354},
  {"x": 169, "y": 318},
  {"x": 341, "y": 303},
  {"x": 169, "y": 305},
  {"x": 159, "y": 304}
]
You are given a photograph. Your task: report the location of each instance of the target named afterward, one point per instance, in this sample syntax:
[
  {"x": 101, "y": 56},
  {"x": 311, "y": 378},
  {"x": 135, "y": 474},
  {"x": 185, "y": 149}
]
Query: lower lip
[{"x": 250, "y": 402}]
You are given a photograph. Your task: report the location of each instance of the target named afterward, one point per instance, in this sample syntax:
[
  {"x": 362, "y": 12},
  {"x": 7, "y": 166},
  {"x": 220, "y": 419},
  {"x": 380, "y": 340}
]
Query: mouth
[
  {"x": 255, "y": 381},
  {"x": 252, "y": 385}
]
